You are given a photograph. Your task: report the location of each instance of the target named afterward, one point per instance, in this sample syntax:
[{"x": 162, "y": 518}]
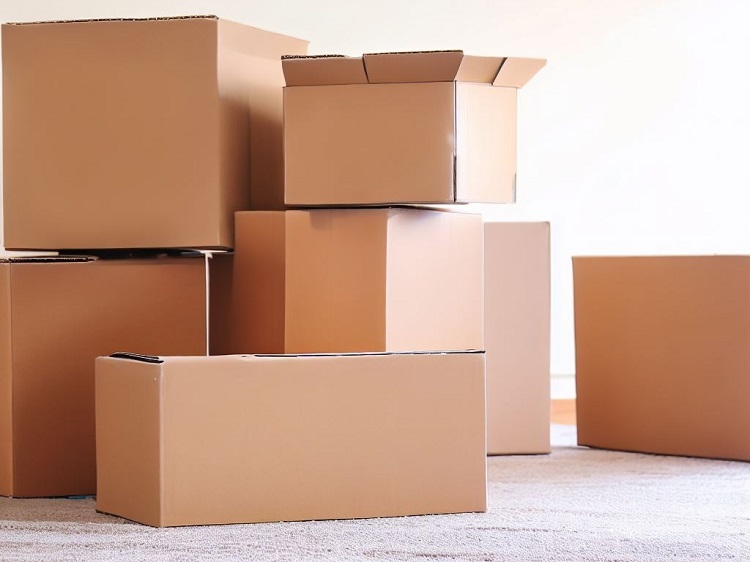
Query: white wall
[{"x": 633, "y": 139}]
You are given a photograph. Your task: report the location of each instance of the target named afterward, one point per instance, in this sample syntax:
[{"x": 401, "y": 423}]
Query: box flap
[
  {"x": 479, "y": 69},
  {"x": 424, "y": 66},
  {"x": 326, "y": 69},
  {"x": 515, "y": 72}
]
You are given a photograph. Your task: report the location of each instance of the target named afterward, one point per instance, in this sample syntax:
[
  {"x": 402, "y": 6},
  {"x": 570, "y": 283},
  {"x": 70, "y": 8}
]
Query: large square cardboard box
[
  {"x": 56, "y": 317},
  {"x": 430, "y": 127},
  {"x": 662, "y": 354},
  {"x": 350, "y": 280},
  {"x": 517, "y": 336},
  {"x": 139, "y": 133},
  {"x": 243, "y": 439}
]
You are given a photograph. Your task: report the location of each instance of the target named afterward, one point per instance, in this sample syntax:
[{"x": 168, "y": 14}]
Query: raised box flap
[
  {"x": 319, "y": 70},
  {"x": 515, "y": 71},
  {"x": 424, "y": 66},
  {"x": 479, "y": 69}
]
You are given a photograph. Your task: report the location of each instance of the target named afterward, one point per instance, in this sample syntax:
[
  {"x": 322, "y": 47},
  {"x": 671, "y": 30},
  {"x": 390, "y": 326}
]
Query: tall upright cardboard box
[
  {"x": 139, "y": 133},
  {"x": 56, "y": 317},
  {"x": 662, "y": 354},
  {"x": 430, "y": 127},
  {"x": 354, "y": 280},
  {"x": 517, "y": 336}
]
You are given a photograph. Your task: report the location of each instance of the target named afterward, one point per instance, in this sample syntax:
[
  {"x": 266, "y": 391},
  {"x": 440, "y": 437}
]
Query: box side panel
[
  {"x": 221, "y": 302},
  {"x": 517, "y": 337},
  {"x": 259, "y": 42},
  {"x": 258, "y": 307},
  {"x": 435, "y": 280},
  {"x": 662, "y": 355},
  {"x": 335, "y": 280},
  {"x": 110, "y": 134},
  {"x": 65, "y": 315},
  {"x": 486, "y": 143},
  {"x": 128, "y": 439},
  {"x": 369, "y": 144},
  {"x": 250, "y": 87},
  {"x": 6, "y": 383},
  {"x": 294, "y": 438}
]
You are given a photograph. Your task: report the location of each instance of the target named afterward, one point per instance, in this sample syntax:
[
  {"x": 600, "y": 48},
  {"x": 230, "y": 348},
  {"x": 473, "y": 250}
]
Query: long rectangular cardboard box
[
  {"x": 517, "y": 336},
  {"x": 243, "y": 439},
  {"x": 56, "y": 316},
  {"x": 426, "y": 127},
  {"x": 350, "y": 280},
  {"x": 139, "y": 133},
  {"x": 662, "y": 354}
]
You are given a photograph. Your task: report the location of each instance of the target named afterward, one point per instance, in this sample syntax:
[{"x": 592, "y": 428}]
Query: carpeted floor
[{"x": 574, "y": 505}]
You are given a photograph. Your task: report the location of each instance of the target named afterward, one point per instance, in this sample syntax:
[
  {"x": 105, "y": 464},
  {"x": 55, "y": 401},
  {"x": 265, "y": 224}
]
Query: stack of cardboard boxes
[{"x": 346, "y": 377}]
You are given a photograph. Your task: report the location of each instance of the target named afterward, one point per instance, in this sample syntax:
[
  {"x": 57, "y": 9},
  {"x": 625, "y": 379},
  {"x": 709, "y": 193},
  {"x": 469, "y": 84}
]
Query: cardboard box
[
  {"x": 56, "y": 316},
  {"x": 517, "y": 336},
  {"x": 139, "y": 133},
  {"x": 429, "y": 127},
  {"x": 662, "y": 355},
  {"x": 243, "y": 439},
  {"x": 351, "y": 280}
]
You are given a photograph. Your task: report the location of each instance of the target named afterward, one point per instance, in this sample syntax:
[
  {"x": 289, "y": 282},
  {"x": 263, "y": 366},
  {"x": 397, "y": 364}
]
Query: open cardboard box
[
  {"x": 242, "y": 439},
  {"x": 144, "y": 133},
  {"x": 425, "y": 127},
  {"x": 57, "y": 314},
  {"x": 350, "y": 280},
  {"x": 663, "y": 354}
]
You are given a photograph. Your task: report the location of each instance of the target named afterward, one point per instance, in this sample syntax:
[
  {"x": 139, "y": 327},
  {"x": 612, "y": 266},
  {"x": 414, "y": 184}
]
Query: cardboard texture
[
  {"x": 350, "y": 280},
  {"x": 139, "y": 133},
  {"x": 517, "y": 336},
  {"x": 429, "y": 127},
  {"x": 242, "y": 439},
  {"x": 56, "y": 317},
  {"x": 220, "y": 303},
  {"x": 662, "y": 356}
]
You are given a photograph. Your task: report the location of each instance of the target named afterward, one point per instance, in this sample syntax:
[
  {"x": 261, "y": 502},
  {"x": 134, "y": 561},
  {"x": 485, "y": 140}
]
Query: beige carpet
[{"x": 574, "y": 505}]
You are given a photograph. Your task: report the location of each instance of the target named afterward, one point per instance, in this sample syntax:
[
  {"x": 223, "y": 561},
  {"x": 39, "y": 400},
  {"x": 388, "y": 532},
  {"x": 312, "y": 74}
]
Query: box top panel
[
  {"x": 45, "y": 259},
  {"x": 105, "y": 255},
  {"x": 417, "y": 66},
  {"x": 156, "y": 359},
  {"x": 162, "y": 18}
]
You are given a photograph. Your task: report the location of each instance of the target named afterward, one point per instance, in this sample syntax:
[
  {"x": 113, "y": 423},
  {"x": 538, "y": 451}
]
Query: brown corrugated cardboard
[
  {"x": 517, "y": 336},
  {"x": 56, "y": 317},
  {"x": 240, "y": 439},
  {"x": 221, "y": 300},
  {"x": 139, "y": 133},
  {"x": 662, "y": 355},
  {"x": 432, "y": 127},
  {"x": 257, "y": 320},
  {"x": 349, "y": 280}
]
